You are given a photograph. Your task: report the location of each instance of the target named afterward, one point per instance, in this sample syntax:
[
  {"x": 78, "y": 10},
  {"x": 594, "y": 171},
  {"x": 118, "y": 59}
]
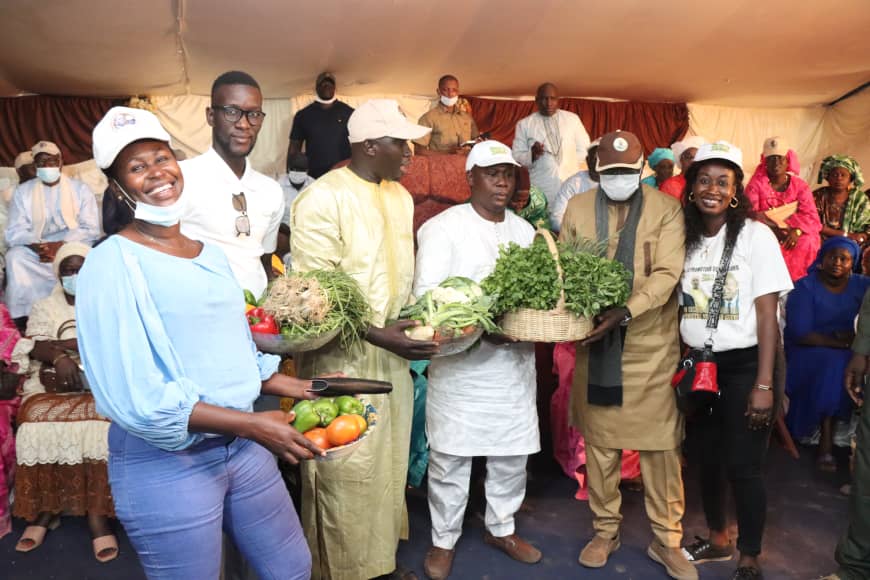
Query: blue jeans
[{"x": 174, "y": 505}]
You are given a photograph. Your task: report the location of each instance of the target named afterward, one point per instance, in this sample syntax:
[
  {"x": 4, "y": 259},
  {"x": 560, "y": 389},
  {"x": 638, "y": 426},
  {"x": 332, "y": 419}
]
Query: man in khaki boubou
[{"x": 622, "y": 397}]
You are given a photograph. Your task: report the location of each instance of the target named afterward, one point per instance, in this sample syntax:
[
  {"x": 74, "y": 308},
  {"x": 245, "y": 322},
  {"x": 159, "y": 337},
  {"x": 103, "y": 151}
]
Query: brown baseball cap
[{"x": 619, "y": 149}]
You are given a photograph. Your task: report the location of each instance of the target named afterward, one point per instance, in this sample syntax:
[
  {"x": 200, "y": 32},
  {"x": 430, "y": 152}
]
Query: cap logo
[
  {"x": 498, "y": 150},
  {"x": 123, "y": 119},
  {"x": 620, "y": 144},
  {"x": 720, "y": 147}
]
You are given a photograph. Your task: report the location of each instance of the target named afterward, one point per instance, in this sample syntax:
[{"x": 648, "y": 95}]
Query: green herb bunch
[
  {"x": 523, "y": 278},
  {"x": 592, "y": 283},
  {"x": 527, "y": 278}
]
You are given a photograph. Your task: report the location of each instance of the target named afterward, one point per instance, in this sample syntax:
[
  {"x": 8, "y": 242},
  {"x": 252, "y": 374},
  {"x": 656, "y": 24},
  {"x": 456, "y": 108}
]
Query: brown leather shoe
[
  {"x": 674, "y": 561},
  {"x": 515, "y": 547},
  {"x": 438, "y": 563},
  {"x": 596, "y": 552}
]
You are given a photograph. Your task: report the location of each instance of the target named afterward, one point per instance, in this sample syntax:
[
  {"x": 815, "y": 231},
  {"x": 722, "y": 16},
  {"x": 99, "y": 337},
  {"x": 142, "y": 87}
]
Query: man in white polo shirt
[
  {"x": 231, "y": 205},
  {"x": 228, "y": 203}
]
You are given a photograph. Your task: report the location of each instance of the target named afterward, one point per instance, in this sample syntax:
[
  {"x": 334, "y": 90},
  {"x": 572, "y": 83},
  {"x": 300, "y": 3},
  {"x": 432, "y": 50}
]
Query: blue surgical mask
[
  {"x": 159, "y": 215},
  {"x": 48, "y": 174},
  {"x": 69, "y": 284},
  {"x": 449, "y": 101}
]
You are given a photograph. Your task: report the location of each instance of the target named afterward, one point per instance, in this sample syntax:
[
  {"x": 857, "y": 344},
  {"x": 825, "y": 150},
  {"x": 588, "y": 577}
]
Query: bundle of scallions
[{"x": 311, "y": 304}]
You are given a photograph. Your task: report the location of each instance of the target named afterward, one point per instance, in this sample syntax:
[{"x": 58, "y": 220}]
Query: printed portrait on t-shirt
[{"x": 697, "y": 297}]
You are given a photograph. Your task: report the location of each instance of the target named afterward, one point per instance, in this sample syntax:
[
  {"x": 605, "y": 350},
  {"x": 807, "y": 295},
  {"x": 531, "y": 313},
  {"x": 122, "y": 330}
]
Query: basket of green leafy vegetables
[
  {"x": 455, "y": 314},
  {"x": 549, "y": 292}
]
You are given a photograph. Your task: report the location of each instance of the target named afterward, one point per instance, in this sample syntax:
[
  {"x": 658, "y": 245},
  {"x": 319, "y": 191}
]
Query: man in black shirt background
[{"x": 322, "y": 127}]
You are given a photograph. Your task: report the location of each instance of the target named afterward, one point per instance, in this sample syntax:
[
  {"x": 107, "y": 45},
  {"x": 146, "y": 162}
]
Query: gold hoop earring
[
  {"x": 691, "y": 196},
  {"x": 734, "y": 203}
]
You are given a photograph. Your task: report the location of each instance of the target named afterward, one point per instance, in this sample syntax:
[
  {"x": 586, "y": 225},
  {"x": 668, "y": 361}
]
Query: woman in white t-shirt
[{"x": 730, "y": 443}]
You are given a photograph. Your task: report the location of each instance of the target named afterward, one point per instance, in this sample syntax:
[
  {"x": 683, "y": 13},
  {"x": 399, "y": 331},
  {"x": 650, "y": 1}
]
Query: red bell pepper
[
  {"x": 266, "y": 325},
  {"x": 255, "y": 315}
]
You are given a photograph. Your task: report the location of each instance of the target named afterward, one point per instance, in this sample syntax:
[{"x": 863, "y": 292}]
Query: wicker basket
[{"x": 556, "y": 325}]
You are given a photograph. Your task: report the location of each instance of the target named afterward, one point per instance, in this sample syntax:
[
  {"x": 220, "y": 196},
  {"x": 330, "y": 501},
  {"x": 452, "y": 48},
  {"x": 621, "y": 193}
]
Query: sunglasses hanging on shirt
[{"x": 243, "y": 223}]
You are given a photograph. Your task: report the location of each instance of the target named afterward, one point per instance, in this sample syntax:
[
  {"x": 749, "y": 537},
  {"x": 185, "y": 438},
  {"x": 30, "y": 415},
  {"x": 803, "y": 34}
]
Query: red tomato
[
  {"x": 318, "y": 437},
  {"x": 343, "y": 430}
]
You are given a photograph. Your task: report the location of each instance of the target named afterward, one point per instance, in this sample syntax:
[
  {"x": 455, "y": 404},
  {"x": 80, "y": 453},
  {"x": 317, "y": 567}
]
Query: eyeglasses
[
  {"x": 233, "y": 114},
  {"x": 243, "y": 223}
]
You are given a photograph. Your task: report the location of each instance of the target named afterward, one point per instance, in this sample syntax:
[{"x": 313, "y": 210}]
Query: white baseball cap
[
  {"x": 382, "y": 118},
  {"x": 775, "y": 146},
  {"x": 45, "y": 147},
  {"x": 120, "y": 127},
  {"x": 489, "y": 153},
  {"x": 720, "y": 150}
]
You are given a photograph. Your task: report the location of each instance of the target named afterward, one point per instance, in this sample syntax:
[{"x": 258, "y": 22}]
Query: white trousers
[
  {"x": 449, "y": 477},
  {"x": 29, "y": 280}
]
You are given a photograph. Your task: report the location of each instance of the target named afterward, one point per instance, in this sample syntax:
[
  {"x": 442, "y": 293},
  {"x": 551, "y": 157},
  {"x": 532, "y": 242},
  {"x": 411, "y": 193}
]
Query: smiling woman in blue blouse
[{"x": 169, "y": 356}]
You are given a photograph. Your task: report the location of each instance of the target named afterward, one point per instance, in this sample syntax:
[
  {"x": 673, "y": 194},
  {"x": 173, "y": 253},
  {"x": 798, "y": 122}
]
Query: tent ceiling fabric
[{"x": 740, "y": 53}]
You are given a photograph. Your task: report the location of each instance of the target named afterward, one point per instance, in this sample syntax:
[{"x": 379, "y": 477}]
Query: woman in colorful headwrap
[
  {"x": 684, "y": 153},
  {"x": 820, "y": 318},
  {"x": 783, "y": 202},
  {"x": 661, "y": 160},
  {"x": 843, "y": 208}
]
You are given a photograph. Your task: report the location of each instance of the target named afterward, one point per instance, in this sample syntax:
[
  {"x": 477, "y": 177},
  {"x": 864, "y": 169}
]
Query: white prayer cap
[
  {"x": 382, "y": 118},
  {"x": 489, "y": 153},
  {"x": 24, "y": 158},
  {"x": 720, "y": 150},
  {"x": 120, "y": 127},
  {"x": 45, "y": 147}
]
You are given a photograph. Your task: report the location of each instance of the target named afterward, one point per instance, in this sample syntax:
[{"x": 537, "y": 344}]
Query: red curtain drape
[
  {"x": 655, "y": 124},
  {"x": 67, "y": 121}
]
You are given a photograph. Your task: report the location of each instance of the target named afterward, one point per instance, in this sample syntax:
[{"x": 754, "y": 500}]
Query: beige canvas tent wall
[{"x": 748, "y": 68}]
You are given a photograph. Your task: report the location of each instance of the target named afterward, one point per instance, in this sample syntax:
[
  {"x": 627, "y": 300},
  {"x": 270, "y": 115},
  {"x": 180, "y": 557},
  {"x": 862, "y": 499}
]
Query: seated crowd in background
[{"x": 776, "y": 232}]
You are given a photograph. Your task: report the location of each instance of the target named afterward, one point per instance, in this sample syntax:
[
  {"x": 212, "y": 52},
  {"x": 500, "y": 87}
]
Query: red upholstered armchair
[{"x": 436, "y": 182}]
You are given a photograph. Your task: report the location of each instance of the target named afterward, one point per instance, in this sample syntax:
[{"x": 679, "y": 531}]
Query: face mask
[
  {"x": 48, "y": 174},
  {"x": 69, "y": 284},
  {"x": 297, "y": 177},
  {"x": 449, "y": 101},
  {"x": 619, "y": 187},
  {"x": 159, "y": 215},
  {"x": 325, "y": 101}
]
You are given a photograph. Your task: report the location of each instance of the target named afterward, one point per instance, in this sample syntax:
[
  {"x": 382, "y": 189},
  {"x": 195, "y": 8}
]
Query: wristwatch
[
  {"x": 799, "y": 232},
  {"x": 626, "y": 319}
]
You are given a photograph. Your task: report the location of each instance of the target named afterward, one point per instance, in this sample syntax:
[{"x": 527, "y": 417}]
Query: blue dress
[{"x": 814, "y": 379}]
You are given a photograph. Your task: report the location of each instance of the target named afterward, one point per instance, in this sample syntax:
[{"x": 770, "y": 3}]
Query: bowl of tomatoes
[{"x": 338, "y": 425}]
